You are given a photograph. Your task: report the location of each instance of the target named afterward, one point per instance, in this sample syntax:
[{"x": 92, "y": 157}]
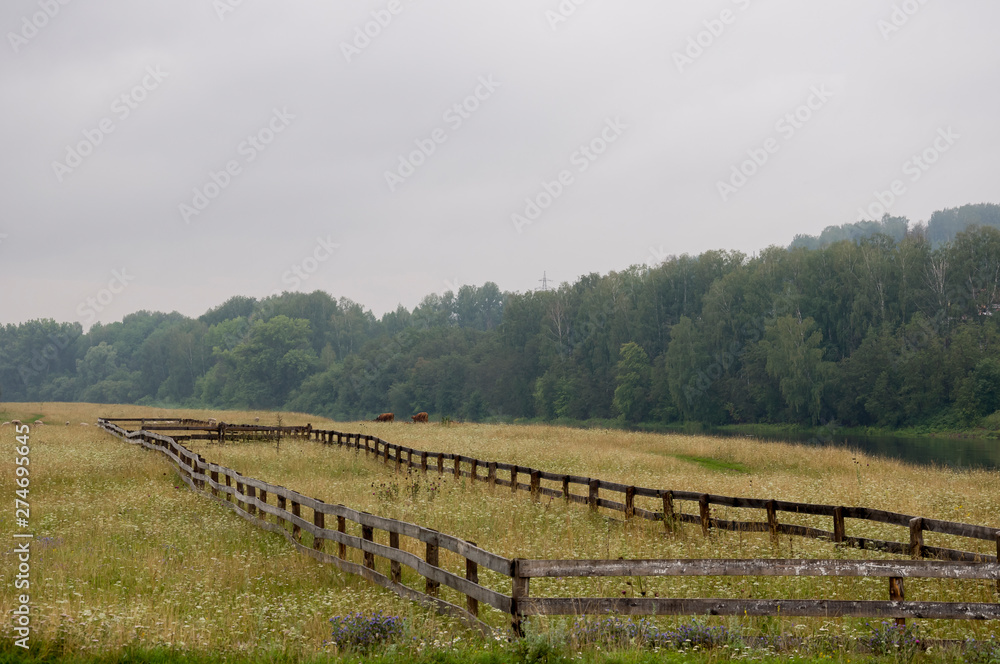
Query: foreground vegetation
[{"x": 128, "y": 562}]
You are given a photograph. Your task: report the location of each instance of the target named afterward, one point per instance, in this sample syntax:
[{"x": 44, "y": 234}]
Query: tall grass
[{"x": 126, "y": 555}]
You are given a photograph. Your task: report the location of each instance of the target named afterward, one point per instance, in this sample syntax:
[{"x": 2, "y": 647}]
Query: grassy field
[{"x": 126, "y": 556}]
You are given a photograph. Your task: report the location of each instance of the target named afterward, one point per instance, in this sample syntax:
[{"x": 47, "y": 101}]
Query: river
[{"x": 959, "y": 453}]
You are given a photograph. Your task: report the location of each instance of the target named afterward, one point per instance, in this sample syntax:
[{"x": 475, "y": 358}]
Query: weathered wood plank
[
  {"x": 760, "y": 567},
  {"x": 758, "y": 607}
]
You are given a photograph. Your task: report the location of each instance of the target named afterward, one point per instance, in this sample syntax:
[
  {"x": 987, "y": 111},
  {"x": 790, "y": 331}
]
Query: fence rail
[{"x": 251, "y": 499}]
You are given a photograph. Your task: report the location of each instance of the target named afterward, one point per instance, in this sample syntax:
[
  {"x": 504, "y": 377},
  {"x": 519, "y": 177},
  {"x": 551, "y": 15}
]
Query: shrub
[
  {"x": 615, "y": 632},
  {"x": 900, "y": 641},
  {"x": 360, "y": 633}
]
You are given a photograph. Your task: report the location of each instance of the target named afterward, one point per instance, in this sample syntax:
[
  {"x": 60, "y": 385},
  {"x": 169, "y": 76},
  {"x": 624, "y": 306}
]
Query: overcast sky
[{"x": 167, "y": 155}]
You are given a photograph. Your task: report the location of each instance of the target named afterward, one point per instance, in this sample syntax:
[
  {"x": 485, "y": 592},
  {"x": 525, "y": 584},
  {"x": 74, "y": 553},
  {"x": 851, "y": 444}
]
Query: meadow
[{"x": 125, "y": 555}]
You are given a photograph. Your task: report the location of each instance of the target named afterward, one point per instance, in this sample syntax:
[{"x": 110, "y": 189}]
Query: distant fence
[
  {"x": 251, "y": 499},
  {"x": 210, "y": 430}
]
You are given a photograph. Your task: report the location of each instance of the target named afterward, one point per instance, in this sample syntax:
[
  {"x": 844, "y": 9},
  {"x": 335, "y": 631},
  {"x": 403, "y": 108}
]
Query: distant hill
[{"x": 942, "y": 228}]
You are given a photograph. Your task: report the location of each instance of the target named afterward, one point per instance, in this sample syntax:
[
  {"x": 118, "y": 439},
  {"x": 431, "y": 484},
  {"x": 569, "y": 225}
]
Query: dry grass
[{"x": 126, "y": 553}]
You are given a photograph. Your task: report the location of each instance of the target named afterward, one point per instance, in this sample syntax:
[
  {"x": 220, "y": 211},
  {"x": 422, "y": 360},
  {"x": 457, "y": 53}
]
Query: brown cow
[
  {"x": 419, "y": 417},
  {"x": 385, "y": 417}
]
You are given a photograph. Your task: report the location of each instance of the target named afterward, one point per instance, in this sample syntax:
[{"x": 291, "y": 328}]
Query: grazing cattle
[
  {"x": 39, "y": 422},
  {"x": 419, "y": 417},
  {"x": 385, "y": 417},
  {"x": 67, "y": 422},
  {"x": 15, "y": 421}
]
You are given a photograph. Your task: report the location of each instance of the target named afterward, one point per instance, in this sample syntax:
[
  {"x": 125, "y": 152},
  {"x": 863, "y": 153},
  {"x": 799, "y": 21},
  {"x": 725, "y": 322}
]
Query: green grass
[
  {"x": 708, "y": 463},
  {"x": 7, "y": 416}
]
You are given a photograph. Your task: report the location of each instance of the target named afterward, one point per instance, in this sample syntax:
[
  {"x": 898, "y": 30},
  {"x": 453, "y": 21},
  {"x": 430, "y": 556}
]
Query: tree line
[{"x": 887, "y": 327}]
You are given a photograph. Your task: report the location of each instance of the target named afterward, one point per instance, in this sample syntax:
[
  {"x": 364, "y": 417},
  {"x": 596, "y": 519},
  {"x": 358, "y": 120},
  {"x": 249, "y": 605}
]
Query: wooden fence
[
  {"x": 214, "y": 431},
  {"x": 561, "y": 486},
  {"x": 252, "y": 499}
]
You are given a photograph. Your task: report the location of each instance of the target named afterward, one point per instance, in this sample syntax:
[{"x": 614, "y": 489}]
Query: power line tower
[{"x": 545, "y": 281}]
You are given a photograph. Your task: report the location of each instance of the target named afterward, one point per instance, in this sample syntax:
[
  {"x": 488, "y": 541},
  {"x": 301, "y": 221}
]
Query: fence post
[
  {"x": 473, "y": 469},
  {"x": 296, "y": 528},
  {"x": 441, "y": 463},
  {"x": 368, "y": 534},
  {"x": 916, "y": 537},
  {"x": 565, "y": 488},
  {"x": 423, "y": 462},
  {"x": 772, "y": 521},
  {"x": 283, "y": 506},
  {"x": 472, "y": 574},
  {"x": 518, "y": 589},
  {"x": 432, "y": 560},
  {"x": 395, "y": 569},
  {"x": 320, "y": 522},
  {"x": 629, "y": 502},
  {"x": 229, "y": 483},
  {"x": 513, "y": 479},
  {"x": 251, "y": 494},
  {"x": 399, "y": 458},
  {"x": 592, "y": 496},
  {"x": 897, "y": 594},
  {"x": 197, "y": 463},
  {"x": 385, "y": 453},
  {"x": 668, "y": 511},
  {"x": 998, "y": 556},
  {"x": 491, "y": 476},
  {"x": 706, "y": 522},
  {"x": 215, "y": 480},
  {"x": 458, "y": 466},
  {"x": 262, "y": 496},
  {"x": 536, "y": 482},
  {"x": 838, "y": 524},
  {"x": 341, "y": 547},
  {"x": 239, "y": 489}
]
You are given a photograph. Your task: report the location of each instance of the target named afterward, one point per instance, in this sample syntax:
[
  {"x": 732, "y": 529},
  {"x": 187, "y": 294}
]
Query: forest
[{"x": 875, "y": 324}]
